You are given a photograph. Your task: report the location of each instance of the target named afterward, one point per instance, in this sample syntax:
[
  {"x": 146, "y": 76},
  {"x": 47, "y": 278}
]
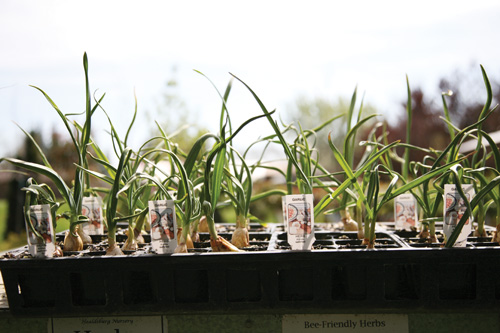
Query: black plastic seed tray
[{"x": 315, "y": 281}]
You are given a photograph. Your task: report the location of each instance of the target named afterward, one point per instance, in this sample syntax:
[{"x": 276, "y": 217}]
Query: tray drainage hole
[
  {"x": 457, "y": 281},
  {"x": 36, "y": 292},
  {"x": 191, "y": 286},
  {"x": 88, "y": 288},
  {"x": 295, "y": 284},
  {"x": 243, "y": 285},
  {"x": 402, "y": 281},
  {"x": 138, "y": 288},
  {"x": 349, "y": 282}
]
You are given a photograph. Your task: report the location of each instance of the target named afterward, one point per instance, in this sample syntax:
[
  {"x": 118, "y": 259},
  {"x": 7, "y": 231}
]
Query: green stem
[
  {"x": 131, "y": 233},
  {"x": 73, "y": 224},
  {"x": 373, "y": 222},
  {"x": 480, "y": 219},
  {"x": 211, "y": 227},
  {"x": 184, "y": 234},
  {"x": 408, "y": 131},
  {"x": 111, "y": 237},
  {"x": 141, "y": 219},
  {"x": 359, "y": 216},
  {"x": 241, "y": 221},
  {"x": 367, "y": 228},
  {"x": 432, "y": 229}
]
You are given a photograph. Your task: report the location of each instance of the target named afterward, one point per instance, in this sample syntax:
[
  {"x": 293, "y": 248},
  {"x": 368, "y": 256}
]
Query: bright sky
[{"x": 282, "y": 49}]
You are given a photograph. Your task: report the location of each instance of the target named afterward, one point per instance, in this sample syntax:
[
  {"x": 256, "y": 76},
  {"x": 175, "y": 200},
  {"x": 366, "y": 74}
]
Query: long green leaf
[
  {"x": 422, "y": 179},
  {"x": 61, "y": 186},
  {"x": 113, "y": 197},
  {"x": 195, "y": 151},
  {"x": 409, "y": 115},
  {"x": 280, "y": 136}
]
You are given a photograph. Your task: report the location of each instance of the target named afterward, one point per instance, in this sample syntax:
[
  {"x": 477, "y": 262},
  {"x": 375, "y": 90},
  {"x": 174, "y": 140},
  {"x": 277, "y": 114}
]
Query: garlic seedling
[
  {"x": 239, "y": 190},
  {"x": 214, "y": 175},
  {"x": 185, "y": 201},
  {"x": 368, "y": 189},
  {"x": 41, "y": 194},
  {"x": 72, "y": 196},
  {"x": 112, "y": 204}
]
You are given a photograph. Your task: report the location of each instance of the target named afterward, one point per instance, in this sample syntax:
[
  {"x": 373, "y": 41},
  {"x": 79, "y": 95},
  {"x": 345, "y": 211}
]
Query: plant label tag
[
  {"x": 163, "y": 226},
  {"x": 41, "y": 220},
  {"x": 300, "y": 221},
  {"x": 454, "y": 209},
  {"x": 405, "y": 212},
  {"x": 92, "y": 208}
]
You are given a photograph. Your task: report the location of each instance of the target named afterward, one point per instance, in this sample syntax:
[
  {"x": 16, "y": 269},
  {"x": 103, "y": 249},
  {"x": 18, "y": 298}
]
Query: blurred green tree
[
  {"x": 312, "y": 112},
  {"x": 175, "y": 117},
  {"x": 465, "y": 100}
]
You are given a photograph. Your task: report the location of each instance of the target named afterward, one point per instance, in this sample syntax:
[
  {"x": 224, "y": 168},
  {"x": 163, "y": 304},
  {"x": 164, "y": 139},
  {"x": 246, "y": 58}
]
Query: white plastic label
[
  {"x": 299, "y": 220},
  {"x": 92, "y": 208},
  {"x": 454, "y": 208},
  {"x": 41, "y": 220},
  {"x": 163, "y": 226},
  {"x": 405, "y": 212}
]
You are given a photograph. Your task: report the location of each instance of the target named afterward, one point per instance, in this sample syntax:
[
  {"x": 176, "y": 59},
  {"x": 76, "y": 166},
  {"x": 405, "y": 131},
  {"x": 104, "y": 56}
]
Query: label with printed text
[
  {"x": 299, "y": 221},
  {"x": 405, "y": 212},
  {"x": 163, "y": 226},
  {"x": 129, "y": 324},
  {"x": 365, "y": 323},
  {"x": 43, "y": 245},
  {"x": 454, "y": 208},
  {"x": 92, "y": 208}
]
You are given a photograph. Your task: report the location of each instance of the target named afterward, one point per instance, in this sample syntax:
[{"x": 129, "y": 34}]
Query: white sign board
[
  {"x": 357, "y": 323},
  {"x": 129, "y": 324}
]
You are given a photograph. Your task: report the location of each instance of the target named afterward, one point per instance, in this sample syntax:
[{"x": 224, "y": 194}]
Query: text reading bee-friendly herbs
[{"x": 345, "y": 323}]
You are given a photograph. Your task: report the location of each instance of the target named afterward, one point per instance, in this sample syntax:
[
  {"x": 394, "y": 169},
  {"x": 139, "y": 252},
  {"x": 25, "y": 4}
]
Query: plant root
[
  {"x": 130, "y": 245},
  {"x": 370, "y": 244},
  {"x": 83, "y": 235},
  {"x": 424, "y": 234},
  {"x": 195, "y": 236},
  {"x": 240, "y": 237},
  {"x": 496, "y": 236},
  {"x": 188, "y": 242},
  {"x": 476, "y": 233},
  {"x": 222, "y": 245},
  {"x": 114, "y": 250},
  {"x": 349, "y": 224},
  {"x": 58, "y": 252},
  {"x": 72, "y": 242},
  {"x": 361, "y": 233},
  {"x": 181, "y": 248},
  {"x": 138, "y": 236},
  {"x": 203, "y": 225}
]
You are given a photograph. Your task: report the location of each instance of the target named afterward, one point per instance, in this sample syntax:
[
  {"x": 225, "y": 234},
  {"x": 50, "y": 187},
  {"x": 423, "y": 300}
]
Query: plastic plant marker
[
  {"x": 454, "y": 208},
  {"x": 92, "y": 208},
  {"x": 405, "y": 212},
  {"x": 41, "y": 219},
  {"x": 163, "y": 226},
  {"x": 300, "y": 221}
]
